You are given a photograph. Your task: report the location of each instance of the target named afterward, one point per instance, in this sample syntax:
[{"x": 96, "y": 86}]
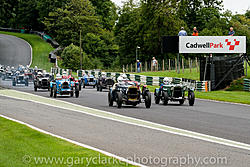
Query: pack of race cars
[{"x": 121, "y": 90}]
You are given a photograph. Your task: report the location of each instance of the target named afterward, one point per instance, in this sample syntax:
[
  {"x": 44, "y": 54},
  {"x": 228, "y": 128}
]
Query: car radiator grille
[
  {"x": 132, "y": 93},
  {"x": 177, "y": 92},
  {"x": 109, "y": 82},
  {"x": 65, "y": 85},
  {"x": 45, "y": 82}
]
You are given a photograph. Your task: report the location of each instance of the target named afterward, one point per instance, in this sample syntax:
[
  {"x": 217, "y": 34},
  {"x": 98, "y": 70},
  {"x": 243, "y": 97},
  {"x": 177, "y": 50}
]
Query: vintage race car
[
  {"x": 88, "y": 80},
  {"x": 64, "y": 87},
  {"x": 29, "y": 74},
  {"x": 173, "y": 92},
  {"x": 7, "y": 75},
  {"x": 104, "y": 83},
  {"x": 20, "y": 79},
  {"x": 129, "y": 93},
  {"x": 42, "y": 82},
  {"x": 1, "y": 70}
]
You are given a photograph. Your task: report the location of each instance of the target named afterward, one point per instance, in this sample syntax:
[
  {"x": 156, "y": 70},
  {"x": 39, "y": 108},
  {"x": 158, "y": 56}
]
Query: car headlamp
[{"x": 59, "y": 84}]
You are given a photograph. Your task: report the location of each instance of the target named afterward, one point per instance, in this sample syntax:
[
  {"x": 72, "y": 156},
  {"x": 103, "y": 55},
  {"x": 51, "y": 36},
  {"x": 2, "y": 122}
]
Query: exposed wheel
[
  {"x": 54, "y": 91},
  {"x": 94, "y": 86},
  {"x": 77, "y": 91},
  {"x": 83, "y": 85},
  {"x": 110, "y": 100},
  {"x": 51, "y": 92},
  {"x": 165, "y": 98},
  {"x": 100, "y": 89},
  {"x": 181, "y": 101},
  {"x": 157, "y": 98},
  {"x": 80, "y": 87},
  {"x": 119, "y": 100},
  {"x": 97, "y": 87},
  {"x": 191, "y": 98},
  {"x": 148, "y": 99},
  {"x": 35, "y": 87},
  {"x": 3, "y": 77},
  {"x": 26, "y": 82},
  {"x": 134, "y": 104},
  {"x": 14, "y": 82}
]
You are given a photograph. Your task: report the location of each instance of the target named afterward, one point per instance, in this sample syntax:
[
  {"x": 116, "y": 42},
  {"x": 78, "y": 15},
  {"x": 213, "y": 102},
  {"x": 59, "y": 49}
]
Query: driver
[
  {"x": 64, "y": 75},
  {"x": 39, "y": 75},
  {"x": 167, "y": 81},
  {"x": 103, "y": 75}
]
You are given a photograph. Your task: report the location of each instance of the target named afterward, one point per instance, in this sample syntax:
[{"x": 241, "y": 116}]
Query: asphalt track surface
[
  {"x": 224, "y": 120},
  {"x": 121, "y": 139},
  {"x": 14, "y": 51}
]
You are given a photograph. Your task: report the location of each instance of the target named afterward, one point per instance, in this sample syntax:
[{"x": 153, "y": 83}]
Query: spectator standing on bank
[
  {"x": 195, "y": 32},
  {"x": 182, "y": 32},
  {"x": 138, "y": 66},
  {"x": 154, "y": 64},
  {"x": 231, "y": 31}
]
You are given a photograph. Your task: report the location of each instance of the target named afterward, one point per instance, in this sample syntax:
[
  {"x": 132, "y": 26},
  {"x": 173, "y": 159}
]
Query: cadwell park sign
[{"x": 212, "y": 44}]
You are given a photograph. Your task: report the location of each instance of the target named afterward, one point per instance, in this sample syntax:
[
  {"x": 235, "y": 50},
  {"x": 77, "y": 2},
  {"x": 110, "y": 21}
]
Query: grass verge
[
  {"x": 40, "y": 48},
  {"x": 22, "y": 146},
  {"x": 228, "y": 96}
]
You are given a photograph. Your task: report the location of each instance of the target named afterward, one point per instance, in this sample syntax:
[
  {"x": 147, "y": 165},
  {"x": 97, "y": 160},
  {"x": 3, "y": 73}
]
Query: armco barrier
[
  {"x": 203, "y": 86},
  {"x": 246, "y": 85}
]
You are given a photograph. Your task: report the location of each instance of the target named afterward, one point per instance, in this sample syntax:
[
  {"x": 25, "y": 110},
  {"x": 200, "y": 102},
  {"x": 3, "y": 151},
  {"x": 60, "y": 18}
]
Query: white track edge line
[
  {"x": 74, "y": 142},
  {"x": 194, "y": 135}
]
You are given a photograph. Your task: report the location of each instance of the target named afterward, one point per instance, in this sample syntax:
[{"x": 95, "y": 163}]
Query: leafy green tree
[
  {"x": 71, "y": 57},
  {"x": 66, "y": 23},
  {"x": 106, "y": 9}
]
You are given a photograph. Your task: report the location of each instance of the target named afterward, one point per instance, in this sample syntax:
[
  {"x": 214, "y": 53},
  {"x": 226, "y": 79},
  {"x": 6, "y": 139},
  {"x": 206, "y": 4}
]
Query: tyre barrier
[
  {"x": 246, "y": 85},
  {"x": 202, "y": 86}
]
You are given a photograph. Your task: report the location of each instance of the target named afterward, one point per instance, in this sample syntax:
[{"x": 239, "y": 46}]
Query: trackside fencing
[
  {"x": 203, "y": 86},
  {"x": 246, "y": 85}
]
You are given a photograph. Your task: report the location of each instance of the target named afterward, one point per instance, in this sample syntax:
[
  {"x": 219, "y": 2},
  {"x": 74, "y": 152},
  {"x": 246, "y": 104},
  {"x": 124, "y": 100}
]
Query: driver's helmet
[
  {"x": 12, "y": 68},
  {"x": 35, "y": 68},
  {"x": 103, "y": 74},
  {"x": 64, "y": 74},
  {"x": 39, "y": 74},
  {"x": 120, "y": 79},
  {"x": 124, "y": 76},
  {"x": 18, "y": 72},
  {"x": 58, "y": 76},
  {"x": 25, "y": 71},
  {"x": 167, "y": 80}
]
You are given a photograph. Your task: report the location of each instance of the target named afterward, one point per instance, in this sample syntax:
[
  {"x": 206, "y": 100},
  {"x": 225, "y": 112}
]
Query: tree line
[{"x": 110, "y": 34}]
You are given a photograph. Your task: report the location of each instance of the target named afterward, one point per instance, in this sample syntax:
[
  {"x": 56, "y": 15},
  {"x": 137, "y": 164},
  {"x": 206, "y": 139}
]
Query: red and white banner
[{"x": 212, "y": 44}]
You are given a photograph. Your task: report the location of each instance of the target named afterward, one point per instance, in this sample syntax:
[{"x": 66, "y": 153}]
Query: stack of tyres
[
  {"x": 246, "y": 84},
  {"x": 161, "y": 80},
  {"x": 149, "y": 80}
]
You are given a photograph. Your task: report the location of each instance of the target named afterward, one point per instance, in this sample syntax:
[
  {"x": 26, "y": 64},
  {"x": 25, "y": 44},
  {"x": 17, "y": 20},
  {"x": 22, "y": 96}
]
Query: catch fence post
[{"x": 169, "y": 65}]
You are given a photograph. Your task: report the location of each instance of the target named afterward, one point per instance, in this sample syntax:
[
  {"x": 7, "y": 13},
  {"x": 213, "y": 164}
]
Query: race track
[{"x": 14, "y": 51}]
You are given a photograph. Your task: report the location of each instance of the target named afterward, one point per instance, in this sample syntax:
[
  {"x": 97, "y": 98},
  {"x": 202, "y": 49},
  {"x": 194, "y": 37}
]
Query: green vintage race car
[{"x": 169, "y": 91}]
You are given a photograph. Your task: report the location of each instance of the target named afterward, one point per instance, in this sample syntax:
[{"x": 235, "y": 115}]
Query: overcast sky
[{"x": 239, "y": 6}]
